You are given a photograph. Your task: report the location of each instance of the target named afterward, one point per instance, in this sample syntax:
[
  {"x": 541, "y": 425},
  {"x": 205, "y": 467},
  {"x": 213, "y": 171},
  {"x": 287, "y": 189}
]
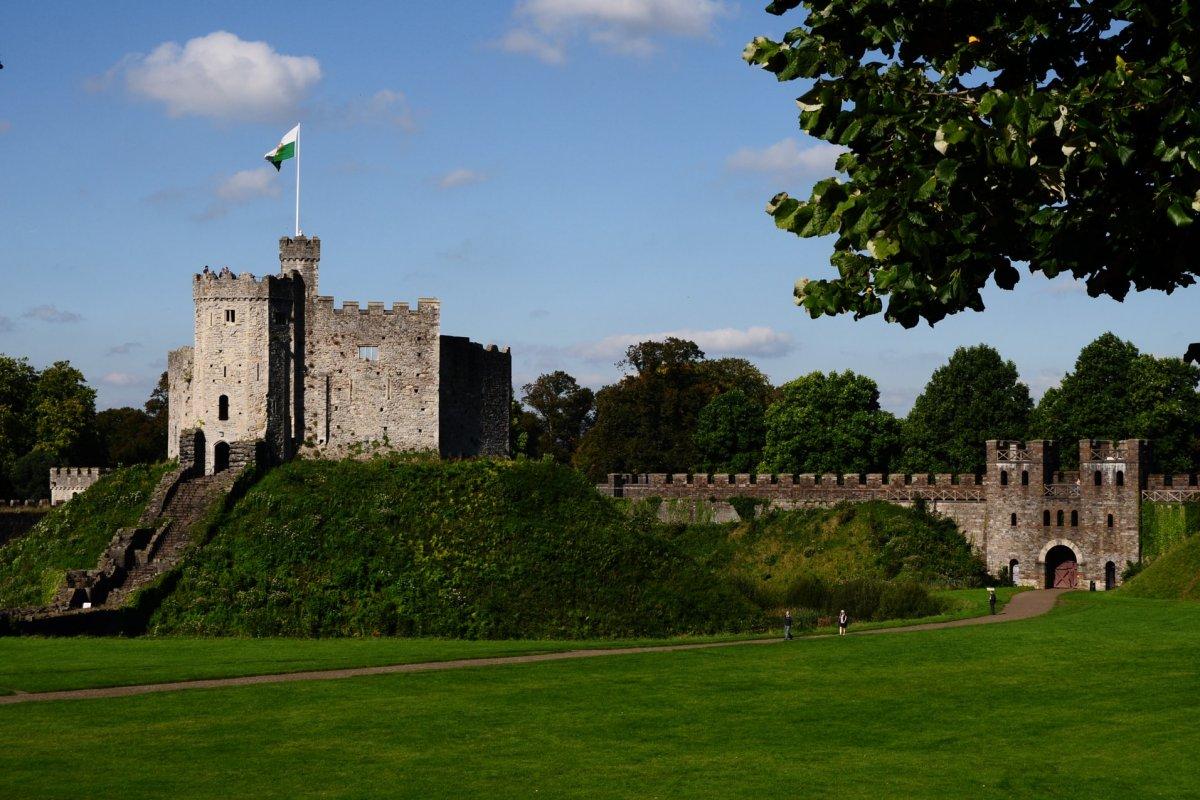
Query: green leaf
[
  {"x": 946, "y": 171},
  {"x": 1178, "y": 215}
]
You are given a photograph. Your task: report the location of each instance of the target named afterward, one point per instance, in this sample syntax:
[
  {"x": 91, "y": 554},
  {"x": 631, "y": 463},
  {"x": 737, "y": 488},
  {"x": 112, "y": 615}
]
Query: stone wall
[
  {"x": 66, "y": 482},
  {"x": 476, "y": 389},
  {"x": 1014, "y": 514}
]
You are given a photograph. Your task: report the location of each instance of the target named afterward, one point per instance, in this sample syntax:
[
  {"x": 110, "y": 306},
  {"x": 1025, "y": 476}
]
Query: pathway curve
[{"x": 1021, "y": 606}]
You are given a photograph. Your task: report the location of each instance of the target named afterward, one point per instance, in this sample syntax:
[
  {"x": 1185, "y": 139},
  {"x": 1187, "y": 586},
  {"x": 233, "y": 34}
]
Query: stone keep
[{"x": 277, "y": 370}]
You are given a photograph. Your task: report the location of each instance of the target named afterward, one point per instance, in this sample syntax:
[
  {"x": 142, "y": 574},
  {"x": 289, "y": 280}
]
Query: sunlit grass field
[{"x": 1096, "y": 699}]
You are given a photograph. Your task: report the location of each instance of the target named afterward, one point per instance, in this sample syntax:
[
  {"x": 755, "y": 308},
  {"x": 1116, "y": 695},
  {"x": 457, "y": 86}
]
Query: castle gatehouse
[
  {"x": 1048, "y": 527},
  {"x": 277, "y": 370}
]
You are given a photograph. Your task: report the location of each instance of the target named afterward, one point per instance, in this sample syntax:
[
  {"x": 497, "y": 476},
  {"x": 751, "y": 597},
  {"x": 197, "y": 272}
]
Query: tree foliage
[
  {"x": 829, "y": 423},
  {"x": 1116, "y": 392},
  {"x": 564, "y": 411},
  {"x": 645, "y": 422},
  {"x": 730, "y": 433},
  {"x": 980, "y": 133},
  {"x": 976, "y": 396}
]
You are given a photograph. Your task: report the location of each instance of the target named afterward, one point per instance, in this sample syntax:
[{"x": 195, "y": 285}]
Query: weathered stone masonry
[
  {"x": 1022, "y": 514},
  {"x": 277, "y": 370}
]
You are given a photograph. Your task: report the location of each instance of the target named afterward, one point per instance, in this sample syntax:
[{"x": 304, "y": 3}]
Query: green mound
[
  {"x": 481, "y": 549},
  {"x": 73, "y": 535},
  {"x": 1175, "y": 575}
]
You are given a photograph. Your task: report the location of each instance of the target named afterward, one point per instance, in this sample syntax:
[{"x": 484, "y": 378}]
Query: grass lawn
[
  {"x": 43, "y": 665},
  {"x": 1096, "y": 700}
]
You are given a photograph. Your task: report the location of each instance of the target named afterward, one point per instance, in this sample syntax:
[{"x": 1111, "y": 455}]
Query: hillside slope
[
  {"x": 406, "y": 546},
  {"x": 73, "y": 535},
  {"x": 1174, "y": 575}
]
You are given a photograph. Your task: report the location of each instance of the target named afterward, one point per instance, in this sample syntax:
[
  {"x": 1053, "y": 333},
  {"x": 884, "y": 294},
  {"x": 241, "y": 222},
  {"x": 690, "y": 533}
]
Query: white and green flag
[{"x": 285, "y": 150}]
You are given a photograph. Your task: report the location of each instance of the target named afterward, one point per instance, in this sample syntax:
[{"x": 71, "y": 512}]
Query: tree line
[
  {"x": 48, "y": 419},
  {"x": 675, "y": 410}
]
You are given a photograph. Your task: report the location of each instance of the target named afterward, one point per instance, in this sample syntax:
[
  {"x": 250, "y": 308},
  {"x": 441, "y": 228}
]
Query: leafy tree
[
  {"x": 564, "y": 412},
  {"x": 725, "y": 374},
  {"x": 64, "y": 413},
  {"x": 976, "y": 396},
  {"x": 130, "y": 436},
  {"x": 524, "y": 428},
  {"x": 644, "y": 423},
  {"x": 31, "y": 475},
  {"x": 17, "y": 383},
  {"x": 980, "y": 133},
  {"x": 829, "y": 423},
  {"x": 729, "y": 433},
  {"x": 1115, "y": 392}
]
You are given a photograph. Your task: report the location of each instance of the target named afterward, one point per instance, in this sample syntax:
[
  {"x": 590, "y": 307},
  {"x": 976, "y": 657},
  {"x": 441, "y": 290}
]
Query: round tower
[{"x": 301, "y": 254}]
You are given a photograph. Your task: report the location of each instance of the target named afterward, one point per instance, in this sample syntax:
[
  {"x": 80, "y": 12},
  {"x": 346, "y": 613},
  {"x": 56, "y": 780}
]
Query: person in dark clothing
[
  {"x": 843, "y": 622},
  {"x": 787, "y": 625},
  {"x": 992, "y": 600}
]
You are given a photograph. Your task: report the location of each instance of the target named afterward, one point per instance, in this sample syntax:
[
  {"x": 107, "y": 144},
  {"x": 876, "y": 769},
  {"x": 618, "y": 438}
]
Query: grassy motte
[
  {"x": 975, "y": 712},
  {"x": 73, "y": 535},
  {"x": 1174, "y": 575},
  {"x": 419, "y": 547}
]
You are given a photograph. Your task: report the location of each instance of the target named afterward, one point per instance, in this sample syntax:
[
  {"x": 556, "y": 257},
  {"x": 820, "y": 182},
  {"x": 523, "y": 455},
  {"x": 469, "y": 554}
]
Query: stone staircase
[{"x": 90, "y": 601}]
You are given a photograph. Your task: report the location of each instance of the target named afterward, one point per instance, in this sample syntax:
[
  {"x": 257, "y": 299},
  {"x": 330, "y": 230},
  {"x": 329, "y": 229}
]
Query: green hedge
[
  {"x": 73, "y": 535},
  {"x": 1166, "y": 524}
]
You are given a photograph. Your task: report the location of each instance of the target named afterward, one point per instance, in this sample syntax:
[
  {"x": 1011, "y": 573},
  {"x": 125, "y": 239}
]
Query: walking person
[
  {"x": 992, "y": 598},
  {"x": 787, "y": 625},
  {"x": 843, "y": 622}
]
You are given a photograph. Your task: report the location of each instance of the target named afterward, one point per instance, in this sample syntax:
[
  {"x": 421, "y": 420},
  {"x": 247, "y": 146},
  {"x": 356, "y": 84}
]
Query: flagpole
[{"x": 297, "y": 180}]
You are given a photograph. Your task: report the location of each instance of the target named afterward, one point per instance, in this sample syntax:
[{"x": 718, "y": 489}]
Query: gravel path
[{"x": 1021, "y": 606}]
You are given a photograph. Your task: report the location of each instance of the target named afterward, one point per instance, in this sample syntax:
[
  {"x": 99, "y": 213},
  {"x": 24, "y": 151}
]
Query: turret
[{"x": 301, "y": 254}]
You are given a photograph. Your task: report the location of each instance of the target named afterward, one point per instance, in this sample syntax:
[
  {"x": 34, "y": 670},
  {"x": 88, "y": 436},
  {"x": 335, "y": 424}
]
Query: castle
[
  {"x": 1046, "y": 527},
  {"x": 277, "y": 371}
]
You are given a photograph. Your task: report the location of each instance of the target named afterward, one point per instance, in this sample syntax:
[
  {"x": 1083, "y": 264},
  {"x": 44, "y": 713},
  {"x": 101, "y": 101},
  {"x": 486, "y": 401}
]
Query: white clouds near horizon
[
  {"x": 787, "y": 158},
  {"x": 545, "y": 29},
  {"x": 760, "y": 341},
  {"x": 456, "y": 178}
]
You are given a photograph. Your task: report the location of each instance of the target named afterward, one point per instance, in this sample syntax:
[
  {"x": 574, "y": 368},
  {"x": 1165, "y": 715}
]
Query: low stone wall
[{"x": 66, "y": 482}]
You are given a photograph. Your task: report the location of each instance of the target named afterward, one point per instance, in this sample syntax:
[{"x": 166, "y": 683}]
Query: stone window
[
  {"x": 1012, "y": 520},
  {"x": 1110, "y": 520},
  {"x": 1097, "y": 478},
  {"x": 230, "y": 315},
  {"x": 368, "y": 352},
  {"x": 1074, "y": 519},
  {"x": 223, "y": 407},
  {"x": 1046, "y": 518},
  {"x": 1004, "y": 477},
  {"x": 1024, "y": 477},
  {"x": 1120, "y": 477},
  {"x": 1061, "y": 517}
]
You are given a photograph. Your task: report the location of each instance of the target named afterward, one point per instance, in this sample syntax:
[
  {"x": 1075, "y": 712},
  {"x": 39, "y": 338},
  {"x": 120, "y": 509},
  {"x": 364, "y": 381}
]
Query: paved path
[{"x": 1022, "y": 606}]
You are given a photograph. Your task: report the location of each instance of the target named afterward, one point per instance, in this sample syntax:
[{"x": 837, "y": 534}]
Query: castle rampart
[
  {"x": 66, "y": 482},
  {"x": 1009, "y": 514}
]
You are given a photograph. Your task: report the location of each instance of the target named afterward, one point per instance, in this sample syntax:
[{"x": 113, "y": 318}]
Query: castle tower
[{"x": 301, "y": 254}]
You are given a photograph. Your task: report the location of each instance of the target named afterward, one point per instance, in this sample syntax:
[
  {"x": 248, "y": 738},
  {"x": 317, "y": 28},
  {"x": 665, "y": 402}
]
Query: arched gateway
[{"x": 1062, "y": 567}]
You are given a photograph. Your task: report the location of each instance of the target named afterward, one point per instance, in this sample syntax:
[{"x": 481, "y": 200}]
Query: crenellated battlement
[
  {"x": 426, "y": 306},
  {"x": 225, "y": 284},
  {"x": 78, "y": 472}
]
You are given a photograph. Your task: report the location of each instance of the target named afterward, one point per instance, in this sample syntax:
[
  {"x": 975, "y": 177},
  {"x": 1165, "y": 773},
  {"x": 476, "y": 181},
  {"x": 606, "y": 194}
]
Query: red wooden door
[{"x": 1065, "y": 574}]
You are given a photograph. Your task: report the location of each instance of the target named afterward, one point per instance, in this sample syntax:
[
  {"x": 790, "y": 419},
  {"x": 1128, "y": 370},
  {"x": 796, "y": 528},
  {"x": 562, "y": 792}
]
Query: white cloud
[
  {"x": 786, "y": 158},
  {"x": 544, "y": 28},
  {"x": 124, "y": 348},
  {"x": 52, "y": 314},
  {"x": 385, "y": 107},
  {"x": 248, "y": 184},
  {"x": 524, "y": 42},
  {"x": 219, "y": 76},
  {"x": 754, "y": 341},
  {"x": 121, "y": 379},
  {"x": 460, "y": 177},
  {"x": 1064, "y": 284}
]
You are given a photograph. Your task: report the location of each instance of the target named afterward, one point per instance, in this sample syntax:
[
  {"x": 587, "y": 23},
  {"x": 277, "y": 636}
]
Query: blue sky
[{"x": 565, "y": 175}]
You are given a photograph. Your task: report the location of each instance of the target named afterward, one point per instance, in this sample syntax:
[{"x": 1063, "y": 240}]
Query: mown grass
[
  {"x": 73, "y": 535},
  {"x": 1095, "y": 700},
  {"x": 1174, "y": 575}
]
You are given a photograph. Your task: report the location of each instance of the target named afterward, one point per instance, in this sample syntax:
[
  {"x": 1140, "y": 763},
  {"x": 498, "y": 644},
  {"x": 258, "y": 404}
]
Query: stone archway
[
  {"x": 220, "y": 457},
  {"x": 1062, "y": 567}
]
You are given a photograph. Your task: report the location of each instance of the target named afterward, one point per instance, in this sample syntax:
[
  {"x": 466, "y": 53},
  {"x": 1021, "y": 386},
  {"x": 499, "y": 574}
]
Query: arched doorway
[
  {"x": 198, "y": 453},
  {"x": 1110, "y": 576},
  {"x": 1062, "y": 567},
  {"x": 1014, "y": 571},
  {"x": 220, "y": 457}
]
